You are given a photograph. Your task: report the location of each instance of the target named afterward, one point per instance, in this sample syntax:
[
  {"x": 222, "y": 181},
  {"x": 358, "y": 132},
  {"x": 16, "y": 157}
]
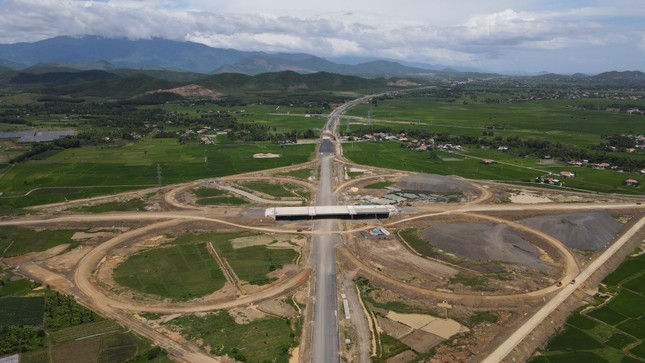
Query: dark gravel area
[
  {"x": 484, "y": 241},
  {"x": 582, "y": 230}
]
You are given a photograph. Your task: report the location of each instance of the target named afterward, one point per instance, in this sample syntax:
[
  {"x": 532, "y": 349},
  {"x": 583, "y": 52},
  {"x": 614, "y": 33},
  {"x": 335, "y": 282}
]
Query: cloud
[{"x": 327, "y": 32}]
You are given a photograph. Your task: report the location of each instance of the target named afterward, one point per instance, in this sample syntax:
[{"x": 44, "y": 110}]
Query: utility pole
[{"x": 159, "y": 174}]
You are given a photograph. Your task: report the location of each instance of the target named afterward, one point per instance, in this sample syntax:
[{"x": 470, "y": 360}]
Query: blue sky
[{"x": 494, "y": 35}]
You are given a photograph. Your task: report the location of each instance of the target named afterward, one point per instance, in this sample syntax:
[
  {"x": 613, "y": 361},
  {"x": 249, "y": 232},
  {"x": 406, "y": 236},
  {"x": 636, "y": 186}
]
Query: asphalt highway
[{"x": 325, "y": 347}]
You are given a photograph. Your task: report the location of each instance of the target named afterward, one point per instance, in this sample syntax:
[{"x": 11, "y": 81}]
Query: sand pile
[
  {"x": 435, "y": 184},
  {"x": 582, "y": 230},
  {"x": 484, "y": 241}
]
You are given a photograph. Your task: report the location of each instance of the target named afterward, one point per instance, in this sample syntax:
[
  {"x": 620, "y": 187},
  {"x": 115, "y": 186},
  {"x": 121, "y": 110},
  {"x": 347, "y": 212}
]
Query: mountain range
[{"x": 98, "y": 53}]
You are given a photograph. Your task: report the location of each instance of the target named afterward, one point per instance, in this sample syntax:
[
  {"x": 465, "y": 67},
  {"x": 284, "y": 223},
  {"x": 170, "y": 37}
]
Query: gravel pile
[
  {"x": 582, "y": 230},
  {"x": 435, "y": 184},
  {"x": 484, "y": 241}
]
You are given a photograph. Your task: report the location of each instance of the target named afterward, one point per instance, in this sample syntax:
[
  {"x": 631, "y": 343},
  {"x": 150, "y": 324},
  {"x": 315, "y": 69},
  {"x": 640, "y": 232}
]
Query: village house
[{"x": 567, "y": 174}]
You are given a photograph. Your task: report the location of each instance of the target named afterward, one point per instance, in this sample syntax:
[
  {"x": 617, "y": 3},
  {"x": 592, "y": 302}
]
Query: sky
[{"x": 562, "y": 36}]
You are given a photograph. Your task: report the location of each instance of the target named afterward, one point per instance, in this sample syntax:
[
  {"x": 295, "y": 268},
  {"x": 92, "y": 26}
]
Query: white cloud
[{"x": 460, "y": 32}]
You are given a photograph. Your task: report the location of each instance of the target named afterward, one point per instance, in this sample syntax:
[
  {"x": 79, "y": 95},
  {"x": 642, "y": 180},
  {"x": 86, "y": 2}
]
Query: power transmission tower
[{"x": 159, "y": 174}]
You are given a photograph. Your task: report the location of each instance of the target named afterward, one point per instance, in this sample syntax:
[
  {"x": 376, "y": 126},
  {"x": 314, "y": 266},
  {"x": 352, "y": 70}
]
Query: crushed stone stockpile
[
  {"x": 435, "y": 184},
  {"x": 582, "y": 230},
  {"x": 484, "y": 241}
]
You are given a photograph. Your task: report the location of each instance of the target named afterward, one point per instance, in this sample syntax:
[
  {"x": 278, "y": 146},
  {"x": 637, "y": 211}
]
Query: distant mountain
[
  {"x": 153, "y": 53},
  {"x": 304, "y": 63},
  {"x": 289, "y": 81},
  {"x": 97, "y": 53},
  {"x": 53, "y": 79},
  {"x": 124, "y": 84},
  {"x": 626, "y": 76}
]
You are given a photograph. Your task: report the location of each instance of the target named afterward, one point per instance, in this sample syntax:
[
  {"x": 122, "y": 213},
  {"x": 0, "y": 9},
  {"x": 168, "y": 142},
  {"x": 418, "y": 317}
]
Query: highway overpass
[{"x": 331, "y": 212}]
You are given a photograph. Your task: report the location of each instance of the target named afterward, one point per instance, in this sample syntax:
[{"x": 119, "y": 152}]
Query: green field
[
  {"x": 263, "y": 340},
  {"x": 391, "y": 155},
  {"x": 558, "y": 121},
  {"x": 554, "y": 120},
  {"x": 226, "y": 200},
  {"x": 94, "y": 170},
  {"x": 136, "y": 204},
  {"x": 183, "y": 271},
  {"x": 211, "y": 196},
  {"x": 379, "y": 185},
  {"x": 207, "y": 192},
  {"x": 299, "y": 173},
  {"x": 22, "y": 311},
  {"x": 252, "y": 264},
  {"x": 276, "y": 116},
  {"x": 612, "y": 333},
  {"x": 282, "y": 190},
  {"x": 15, "y": 241}
]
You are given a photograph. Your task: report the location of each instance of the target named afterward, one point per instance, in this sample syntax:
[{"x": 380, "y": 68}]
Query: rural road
[{"x": 505, "y": 348}]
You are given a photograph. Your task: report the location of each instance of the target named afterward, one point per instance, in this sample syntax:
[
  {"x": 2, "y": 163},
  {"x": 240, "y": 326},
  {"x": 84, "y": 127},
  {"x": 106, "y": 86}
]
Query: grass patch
[
  {"x": 299, "y": 173},
  {"x": 182, "y": 271},
  {"x": 252, "y": 264},
  {"x": 379, "y": 185},
  {"x": 390, "y": 347},
  {"x": 411, "y": 236},
  {"x": 263, "y": 340},
  {"x": 135, "y": 204},
  {"x": 207, "y": 192},
  {"x": 475, "y": 281},
  {"x": 483, "y": 317},
  {"x": 275, "y": 190},
  {"x": 15, "y": 287},
  {"x": 222, "y": 201},
  {"x": 15, "y": 241}
]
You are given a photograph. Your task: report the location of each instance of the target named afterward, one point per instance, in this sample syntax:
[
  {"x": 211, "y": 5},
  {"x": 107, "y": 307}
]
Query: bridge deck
[{"x": 336, "y": 211}]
